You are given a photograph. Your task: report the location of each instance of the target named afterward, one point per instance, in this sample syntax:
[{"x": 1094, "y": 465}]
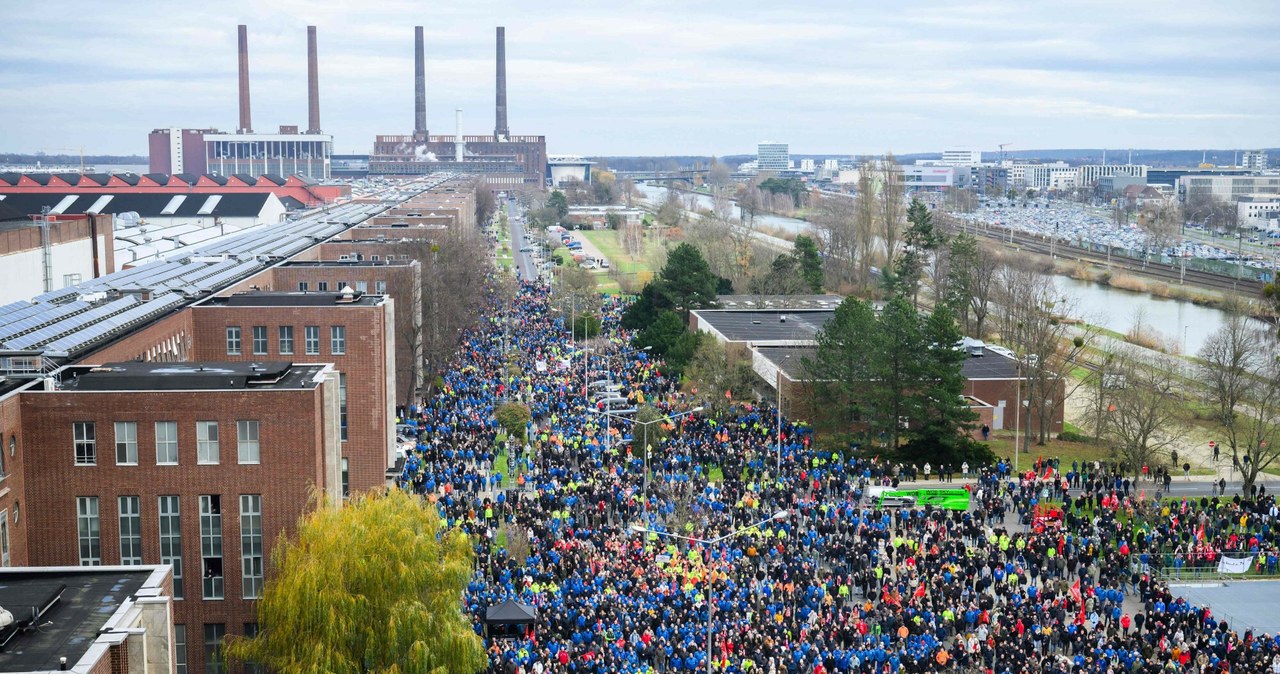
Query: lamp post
[
  {"x": 707, "y": 543},
  {"x": 644, "y": 483}
]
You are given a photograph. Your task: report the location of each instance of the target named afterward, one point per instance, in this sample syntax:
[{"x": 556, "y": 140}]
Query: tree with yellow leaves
[{"x": 372, "y": 586}]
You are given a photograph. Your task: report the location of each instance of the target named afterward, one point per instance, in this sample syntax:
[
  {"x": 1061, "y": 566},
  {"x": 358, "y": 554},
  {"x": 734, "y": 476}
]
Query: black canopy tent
[{"x": 509, "y": 619}]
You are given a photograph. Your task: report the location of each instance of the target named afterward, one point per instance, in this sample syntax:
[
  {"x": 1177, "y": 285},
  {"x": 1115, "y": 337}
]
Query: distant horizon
[{"x": 635, "y": 80}]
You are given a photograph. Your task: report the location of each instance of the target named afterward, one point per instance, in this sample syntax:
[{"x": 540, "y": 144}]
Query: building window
[
  {"x": 126, "y": 443},
  {"x": 322, "y": 286},
  {"x": 250, "y": 667},
  {"x": 342, "y": 404},
  {"x": 233, "y": 340},
  {"x": 259, "y": 340},
  {"x": 86, "y": 442},
  {"x": 247, "y": 441},
  {"x": 311, "y": 335},
  {"x": 380, "y": 287},
  {"x": 207, "y": 442},
  {"x": 69, "y": 280},
  {"x": 337, "y": 339},
  {"x": 4, "y": 472},
  {"x": 167, "y": 443},
  {"x": 251, "y": 545},
  {"x": 180, "y": 649},
  {"x": 362, "y": 286},
  {"x": 302, "y": 286},
  {"x": 130, "y": 531},
  {"x": 4, "y": 537},
  {"x": 213, "y": 634},
  {"x": 171, "y": 540},
  {"x": 286, "y": 339},
  {"x": 211, "y": 545},
  {"x": 89, "y": 529},
  {"x": 346, "y": 478},
  {"x": 375, "y": 258}
]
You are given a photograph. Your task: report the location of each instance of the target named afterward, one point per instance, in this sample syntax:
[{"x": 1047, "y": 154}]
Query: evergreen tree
[
  {"x": 686, "y": 281},
  {"x": 806, "y": 250}
]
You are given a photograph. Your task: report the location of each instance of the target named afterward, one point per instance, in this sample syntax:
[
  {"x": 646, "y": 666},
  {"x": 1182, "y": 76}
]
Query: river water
[{"x": 1178, "y": 324}]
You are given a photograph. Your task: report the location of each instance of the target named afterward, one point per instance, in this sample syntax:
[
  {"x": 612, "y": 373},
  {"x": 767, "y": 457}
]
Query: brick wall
[
  {"x": 370, "y": 406},
  {"x": 291, "y": 427},
  {"x": 13, "y": 446}
]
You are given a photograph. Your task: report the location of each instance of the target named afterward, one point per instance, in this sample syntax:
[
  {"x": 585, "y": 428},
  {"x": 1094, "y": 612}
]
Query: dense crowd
[{"x": 804, "y": 575}]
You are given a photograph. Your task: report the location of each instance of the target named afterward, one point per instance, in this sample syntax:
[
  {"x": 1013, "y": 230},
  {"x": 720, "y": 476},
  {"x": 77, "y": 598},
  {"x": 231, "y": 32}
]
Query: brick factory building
[
  {"x": 171, "y": 414},
  {"x": 201, "y": 465},
  {"x": 503, "y": 160}
]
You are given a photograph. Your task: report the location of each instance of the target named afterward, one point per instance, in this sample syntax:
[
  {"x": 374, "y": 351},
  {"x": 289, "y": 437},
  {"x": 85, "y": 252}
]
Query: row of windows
[
  {"x": 379, "y": 287},
  {"x": 285, "y": 342},
  {"x": 13, "y": 450},
  {"x": 129, "y": 511},
  {"x": 214, "y": 633},
  {"x": 208, "y": 443}
]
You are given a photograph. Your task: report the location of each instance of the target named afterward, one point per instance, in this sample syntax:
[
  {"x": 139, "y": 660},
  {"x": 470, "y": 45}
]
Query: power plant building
[
  {"x": 287, "y": 152},
  {"x": 502, "y": 159}
]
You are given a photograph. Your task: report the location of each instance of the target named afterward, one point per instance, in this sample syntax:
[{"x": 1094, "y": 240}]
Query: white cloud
[{"x": 713, "y": 77}]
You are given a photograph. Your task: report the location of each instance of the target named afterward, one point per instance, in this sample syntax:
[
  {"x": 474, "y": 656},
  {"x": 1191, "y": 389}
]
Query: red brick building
[{"x": 200, "y": 465}]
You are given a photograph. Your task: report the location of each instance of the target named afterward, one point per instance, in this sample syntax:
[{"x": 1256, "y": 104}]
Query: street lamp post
[
  {"x": 707, "y": 543},
  {"x": 644, "y": 482}
]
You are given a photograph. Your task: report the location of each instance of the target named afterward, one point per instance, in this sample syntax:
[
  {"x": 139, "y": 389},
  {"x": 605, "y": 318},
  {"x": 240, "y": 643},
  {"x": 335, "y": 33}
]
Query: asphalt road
[{"x": 526, "y": 266}]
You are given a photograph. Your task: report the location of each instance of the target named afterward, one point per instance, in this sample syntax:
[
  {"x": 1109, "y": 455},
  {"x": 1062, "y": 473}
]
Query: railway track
[{"x": 1161, "y": 271}]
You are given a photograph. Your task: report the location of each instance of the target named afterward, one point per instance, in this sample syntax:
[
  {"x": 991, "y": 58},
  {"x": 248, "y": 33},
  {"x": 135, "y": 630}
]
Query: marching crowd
[{"x": 746, "y": 531}]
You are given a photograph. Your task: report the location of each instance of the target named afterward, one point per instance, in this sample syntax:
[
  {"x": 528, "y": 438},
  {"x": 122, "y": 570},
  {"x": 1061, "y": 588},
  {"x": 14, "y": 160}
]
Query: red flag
[
  {"x": 728, "y": 394},
  {"x": 1200, "y": 533},
  {"x": 1075, "y": 592}
]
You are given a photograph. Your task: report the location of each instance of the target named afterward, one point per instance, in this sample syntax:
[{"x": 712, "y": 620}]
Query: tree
[
  {"x": 971, "y": 268},
  {"x": 1239, "y": 370},
  {"x": 806, "y": 251},
  {"x": 891, "y": 196},
  {"x": 486, "y": 203},
  {"x": 667, "y": 337},
  {"x": 1162, "y": 223},
  {"x": 560, "y": 203},
  {"x": 1145, "y": 417},
  {"x": 371, "y": 586},
  {"x": 864, "y": 221},
  {"x": 920, "y": 240},
  {"x": 894, "y": 376},
  {"x": 713, "y": 373},
  {"x": 514, "y": 418},
  {"x": 784, "y": 277},
  {"x": 719, "y": 176},
  {"x": 613, "y": 220},
  {"x": 671, "y": 213},
  {"x": 1271, "y": 297},
  {"x": 833, "y": 217},
  {"x": 686, "y": 282}
]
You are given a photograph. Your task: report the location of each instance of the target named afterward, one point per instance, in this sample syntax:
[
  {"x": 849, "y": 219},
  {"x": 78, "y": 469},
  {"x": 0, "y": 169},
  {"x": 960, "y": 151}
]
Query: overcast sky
[{"x": 637, "y": 77}]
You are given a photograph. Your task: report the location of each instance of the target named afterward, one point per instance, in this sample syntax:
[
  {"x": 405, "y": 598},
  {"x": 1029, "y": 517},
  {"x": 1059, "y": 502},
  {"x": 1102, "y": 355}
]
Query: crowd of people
[{"x": 738, "y": 545}]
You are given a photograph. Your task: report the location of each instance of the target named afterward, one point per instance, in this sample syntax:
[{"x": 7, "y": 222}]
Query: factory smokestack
[
  {"x": 500, "y": 130},
  {"x": 246, "y": 125},
  {"x": 457, "y": 138},
  {"x": 313, "y": 83},
  {"x": 419, "y": 85}
]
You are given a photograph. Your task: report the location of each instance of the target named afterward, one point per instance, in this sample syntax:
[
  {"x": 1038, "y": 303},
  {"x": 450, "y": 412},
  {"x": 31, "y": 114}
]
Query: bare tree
[
  {"x": 1146, "y": 415},
  {"x": 1035, "y": 320},
  {"x": 1162, "y": 221},
  {"x": 892, "y": 207},
  {"x": 1239, "y": 369},
  {"x": 864, "y": 222},
  {"x": 833, "y": 218}
]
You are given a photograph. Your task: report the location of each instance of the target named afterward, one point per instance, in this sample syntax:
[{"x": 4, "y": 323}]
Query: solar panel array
[{"x": 71, "y": 320}]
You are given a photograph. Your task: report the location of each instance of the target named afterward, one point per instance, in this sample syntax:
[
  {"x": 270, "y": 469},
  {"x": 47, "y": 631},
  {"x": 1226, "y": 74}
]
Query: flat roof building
[
  {"x": 100, "y": 620},
  {"x": 771, "y": 156}
]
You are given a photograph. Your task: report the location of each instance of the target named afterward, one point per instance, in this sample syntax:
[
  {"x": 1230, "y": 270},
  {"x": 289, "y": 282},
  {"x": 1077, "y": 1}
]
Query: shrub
[
  {"x": 1072, "y": 436},
  {"x": 513, "y": 417}
]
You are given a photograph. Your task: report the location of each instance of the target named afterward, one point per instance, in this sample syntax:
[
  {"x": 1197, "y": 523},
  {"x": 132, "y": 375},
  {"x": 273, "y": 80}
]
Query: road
[{"x": 525, "y": 265}]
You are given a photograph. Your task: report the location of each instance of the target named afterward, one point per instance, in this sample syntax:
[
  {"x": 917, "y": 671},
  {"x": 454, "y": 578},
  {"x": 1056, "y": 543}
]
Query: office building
[
  {"x": 771, "y": 156},
  {"x": 961, "y": 157},
  {"x": 1088, "y": 175},
  {"x": 1254, "y": 160}
]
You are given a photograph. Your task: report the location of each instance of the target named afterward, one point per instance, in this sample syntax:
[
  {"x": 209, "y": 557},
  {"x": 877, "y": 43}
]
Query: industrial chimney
[
  {"x": 500, "y": 130},
  {"x": 313, "y": 83},
  {"x": 419, "y": 86},
  {"x": 246, "y": 126},
  {"x": 457, "y": 138}
]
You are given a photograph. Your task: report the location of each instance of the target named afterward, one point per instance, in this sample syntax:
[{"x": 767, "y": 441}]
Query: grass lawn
[
  {"x": 715, "y": 474},
  {"x": 607, "y": 241}
]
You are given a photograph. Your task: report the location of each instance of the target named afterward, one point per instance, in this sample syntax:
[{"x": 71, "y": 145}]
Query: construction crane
[
  {"x": 72, "y": 150},
  {"x": 1002, "y": 146}
]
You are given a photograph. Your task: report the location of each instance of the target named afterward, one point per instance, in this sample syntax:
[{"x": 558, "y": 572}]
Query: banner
[{"x": 1234, "y": 565}]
